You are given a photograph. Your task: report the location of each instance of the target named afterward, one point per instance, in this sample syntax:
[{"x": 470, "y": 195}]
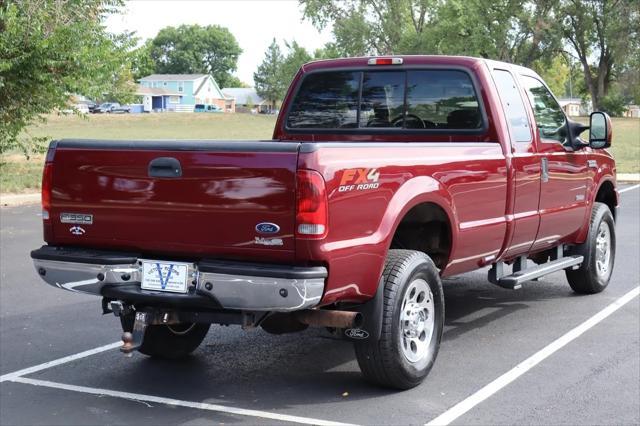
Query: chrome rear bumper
[{"x": 227, "y": 285}]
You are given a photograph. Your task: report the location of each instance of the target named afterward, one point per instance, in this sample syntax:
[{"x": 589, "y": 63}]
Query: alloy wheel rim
[
  {"x": 417, "y": 321},
  {"x": 603, "y": 249}
]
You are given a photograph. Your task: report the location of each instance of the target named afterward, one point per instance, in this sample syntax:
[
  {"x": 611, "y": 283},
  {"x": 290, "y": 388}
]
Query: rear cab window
[{"x": 395, "y": 100}]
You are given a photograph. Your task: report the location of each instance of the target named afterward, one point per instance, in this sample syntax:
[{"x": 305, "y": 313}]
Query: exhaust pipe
[{"x": 325, "y": 318}]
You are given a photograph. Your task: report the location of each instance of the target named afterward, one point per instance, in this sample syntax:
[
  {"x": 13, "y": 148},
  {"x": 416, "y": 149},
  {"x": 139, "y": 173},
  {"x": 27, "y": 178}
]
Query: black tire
[
  {"x": 589, "y": 278},
  {"x": 168, "y": 342},
  {"x": 384, "y": 362}
]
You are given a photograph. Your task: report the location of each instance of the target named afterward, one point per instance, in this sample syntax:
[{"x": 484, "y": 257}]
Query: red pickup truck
[{"x": 384, "y": 175}]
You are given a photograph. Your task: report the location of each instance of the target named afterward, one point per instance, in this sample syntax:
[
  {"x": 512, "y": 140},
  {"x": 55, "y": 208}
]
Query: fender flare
[
  {"x": 419, "y": 190},
  {"x": 601, "y": 178}
]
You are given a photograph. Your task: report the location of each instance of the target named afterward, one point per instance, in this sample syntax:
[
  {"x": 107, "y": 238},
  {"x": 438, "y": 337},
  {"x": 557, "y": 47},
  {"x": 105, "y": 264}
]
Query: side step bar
[{"x": 522, "y": 274}]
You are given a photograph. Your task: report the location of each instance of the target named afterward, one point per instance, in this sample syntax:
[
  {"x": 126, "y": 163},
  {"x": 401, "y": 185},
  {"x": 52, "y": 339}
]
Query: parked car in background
[
  {"x": 121, "y": 109},
  {"x": 207, "y": 108},
  {"x": 106, "y": 108},
  {"x": 82, "y": 108},
  {"x": 79, "y": 108}
]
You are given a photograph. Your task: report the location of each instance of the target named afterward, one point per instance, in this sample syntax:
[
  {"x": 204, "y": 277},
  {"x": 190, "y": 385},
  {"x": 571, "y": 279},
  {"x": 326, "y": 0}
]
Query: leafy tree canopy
[
  {"x": 50, "y": 50},
  {"x": 193, "y": 49},
  {"x": 142, "y": 63},
  {"x": 603, "y": 36}
]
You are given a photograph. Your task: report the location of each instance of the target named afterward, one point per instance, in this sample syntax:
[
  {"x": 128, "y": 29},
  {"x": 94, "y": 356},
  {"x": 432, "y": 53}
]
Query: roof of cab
[
  {"x": 406, "y": 59},
  {"x": 439, "y": 60}
]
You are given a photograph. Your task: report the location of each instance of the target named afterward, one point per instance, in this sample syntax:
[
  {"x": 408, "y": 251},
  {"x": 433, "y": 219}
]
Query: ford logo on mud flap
[
  {"x": 267, "y": 228},
  {"x": 356, "y": 333}
]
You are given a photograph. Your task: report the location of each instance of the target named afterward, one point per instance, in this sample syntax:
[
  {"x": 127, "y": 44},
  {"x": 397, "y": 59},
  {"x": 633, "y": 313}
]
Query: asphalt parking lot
[{"x": 539, "y": 355}]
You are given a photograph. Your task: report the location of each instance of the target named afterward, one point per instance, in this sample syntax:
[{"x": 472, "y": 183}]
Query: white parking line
[
  {"x": 467, "y": 404},
  {"x": 17, "y": 377},
  {"x": 629, "y": 188},
  {"x": 59, "y": 361},
  {"x": 176, "y": 402}
]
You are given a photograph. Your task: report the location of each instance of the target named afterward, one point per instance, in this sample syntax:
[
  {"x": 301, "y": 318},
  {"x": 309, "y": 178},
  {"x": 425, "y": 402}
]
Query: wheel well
[
  {"x": 425, "y": 228},
  {"x": 607, "y": 195}
]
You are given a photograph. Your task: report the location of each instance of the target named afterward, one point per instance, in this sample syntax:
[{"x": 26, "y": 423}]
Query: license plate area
[{"x": 172, "y": 277}]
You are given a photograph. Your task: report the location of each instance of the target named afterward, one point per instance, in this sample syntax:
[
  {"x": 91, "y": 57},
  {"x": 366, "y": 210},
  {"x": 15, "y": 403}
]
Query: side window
[
  {"x": 550, "y": 118},
  {"x": 382, "y": 99},
  {"x": 513, "y": 106},
  {"x": 327, "y": 100}
]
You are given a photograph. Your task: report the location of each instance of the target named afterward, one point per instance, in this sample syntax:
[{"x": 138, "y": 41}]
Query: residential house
[
  {"x": 632, "y": 111},
  {"x": 571, "y": 107},
  {"x": 246, "y": 99},
  {"x": 181, "y": 92}
]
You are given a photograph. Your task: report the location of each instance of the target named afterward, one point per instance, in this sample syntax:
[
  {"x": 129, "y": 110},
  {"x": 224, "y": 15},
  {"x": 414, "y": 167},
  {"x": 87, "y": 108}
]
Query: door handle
[
  {"x": 544, "y": 166},
  {"x": 166, "y": 167}
]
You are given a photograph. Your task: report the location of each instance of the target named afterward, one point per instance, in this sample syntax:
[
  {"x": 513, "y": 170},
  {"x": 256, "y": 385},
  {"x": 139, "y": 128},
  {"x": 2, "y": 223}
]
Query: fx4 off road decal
[{"x": 359, "y": 180}]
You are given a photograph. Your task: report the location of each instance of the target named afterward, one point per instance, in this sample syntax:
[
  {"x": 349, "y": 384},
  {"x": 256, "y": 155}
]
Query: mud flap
[{"x": 371, "y": 311}]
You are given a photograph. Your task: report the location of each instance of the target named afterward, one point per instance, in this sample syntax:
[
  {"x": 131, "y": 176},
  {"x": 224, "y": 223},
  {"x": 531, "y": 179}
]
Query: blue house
[{"x": 181, "y": 92}]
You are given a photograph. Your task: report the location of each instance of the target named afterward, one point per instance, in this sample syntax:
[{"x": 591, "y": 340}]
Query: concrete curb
[
  {"x": 628, "y": 177},
  {"x": 19, "y": 199}
]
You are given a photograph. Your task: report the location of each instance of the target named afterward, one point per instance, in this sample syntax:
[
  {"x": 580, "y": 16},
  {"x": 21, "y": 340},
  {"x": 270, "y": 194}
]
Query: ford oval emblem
[
  {"x": 356, "y": 333},
  {"x": 267, "y": 228}
]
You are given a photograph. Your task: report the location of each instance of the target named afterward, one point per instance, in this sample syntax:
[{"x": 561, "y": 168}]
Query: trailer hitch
[{"x": 132, "y": 341}]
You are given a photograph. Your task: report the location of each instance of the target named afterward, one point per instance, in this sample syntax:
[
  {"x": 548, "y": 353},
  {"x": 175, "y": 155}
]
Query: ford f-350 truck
[{"x": 384, "y": 175}]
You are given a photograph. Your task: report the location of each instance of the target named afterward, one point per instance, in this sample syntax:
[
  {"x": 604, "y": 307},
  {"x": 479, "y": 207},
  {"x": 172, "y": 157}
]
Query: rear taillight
[
  {"x": 311, "y": 202},
  {"x": 47, "y": 177},
  {"x": 47, "y": 182}
]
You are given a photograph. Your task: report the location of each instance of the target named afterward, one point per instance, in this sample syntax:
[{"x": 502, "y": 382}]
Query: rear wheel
[
  {"x": 413, "y": 318},
  {"x": 599, "y": 252},
  {"x": 169, "y": 341}
]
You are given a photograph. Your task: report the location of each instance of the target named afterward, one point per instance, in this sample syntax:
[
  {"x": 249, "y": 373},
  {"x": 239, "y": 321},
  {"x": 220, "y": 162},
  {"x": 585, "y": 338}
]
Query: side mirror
[{"x": 600, "y": 132}]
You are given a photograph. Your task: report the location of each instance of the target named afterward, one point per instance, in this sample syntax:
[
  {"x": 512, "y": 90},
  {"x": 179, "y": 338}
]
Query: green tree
[
  {"x": 614, "y": 103},
  {"x": 604, "y": 35},
  {"x": 296, "y": 57},
  {"x": 50, "y": 50},
  {"x": 190, "y": 49},
  {"x": 517, "y": 31},
  {"x": 364, "y": 27},
  {"x": 328, "y": 51},
  {"x": 556, "y": 74},
  {"x": 233, "y": 81},
  {"x": 521, "y": 31},
  {"x": 249, "y": 105},
  {"x": 268, "y": 79},
  {"x": 142, "y": 64}
]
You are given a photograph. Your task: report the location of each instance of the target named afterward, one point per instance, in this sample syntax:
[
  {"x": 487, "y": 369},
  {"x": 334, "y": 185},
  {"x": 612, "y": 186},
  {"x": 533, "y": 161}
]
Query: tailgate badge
[
  {"x": 76, "y": 230},
  {"x": 76, "y": 218},
  {"x": 267, "y": 228},
  {"x": 268, "y": 241}
]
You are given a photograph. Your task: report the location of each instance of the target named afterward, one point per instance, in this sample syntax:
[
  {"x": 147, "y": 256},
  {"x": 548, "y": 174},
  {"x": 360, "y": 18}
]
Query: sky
[{"x": 254, "y": 23}]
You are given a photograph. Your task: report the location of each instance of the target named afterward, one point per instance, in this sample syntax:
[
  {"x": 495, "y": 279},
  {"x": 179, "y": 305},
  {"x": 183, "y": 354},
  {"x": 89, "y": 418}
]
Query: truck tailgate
[{"x": 204, "y": 199}]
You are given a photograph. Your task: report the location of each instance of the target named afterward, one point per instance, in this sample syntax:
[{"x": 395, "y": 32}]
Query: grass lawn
[
  {"x": 18, "y": 174},
  {"x": 626, "y": 143}
]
